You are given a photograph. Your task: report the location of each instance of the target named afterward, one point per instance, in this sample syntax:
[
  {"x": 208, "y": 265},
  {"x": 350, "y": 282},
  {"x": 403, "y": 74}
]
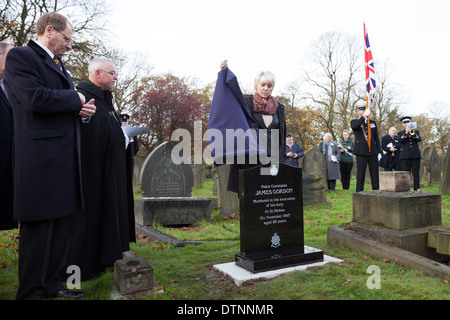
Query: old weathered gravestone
[
  {"x": 315, "y": 176},
  {"x": 313, "y": 190},
  {"x": 314, "y": 163},
  {"x": 271, "y": 221},
  {"x": 197, "y": 171},
  {"x": 166, "y": 192},
  {"x": 444, "y": 188},
  {"x": 138, "y": 162},
  {"x": 172, "y": 211},
  {"x": 424, "y": 161},
  {"x": 434, "y": 167},
  {"x": 161, "y": 177},
  {"x": 228, "y": 201},
  {"x": 394, "y": 206},
  {"x": 395, "y": 181}
]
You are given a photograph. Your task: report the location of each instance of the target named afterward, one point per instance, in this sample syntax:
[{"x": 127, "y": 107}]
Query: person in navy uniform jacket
[
  {"x": 6, "y": 149},
  {"x": 364, "y": 156},
  {"x": 409, "y": 152},
  {"x": 390, "y": 159},
  {"x": 47, "y": 182}
]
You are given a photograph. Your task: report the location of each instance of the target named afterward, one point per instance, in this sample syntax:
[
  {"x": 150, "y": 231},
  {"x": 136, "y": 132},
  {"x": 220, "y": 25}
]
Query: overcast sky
[{"x": 189, "y": 38}]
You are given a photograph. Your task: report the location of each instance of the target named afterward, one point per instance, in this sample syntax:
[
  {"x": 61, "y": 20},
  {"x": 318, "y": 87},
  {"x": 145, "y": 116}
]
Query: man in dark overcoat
[
  {"x": 47, "y": 183},
  {"x": 364, "y": 156},
  {"x": 6, "y": 149}
]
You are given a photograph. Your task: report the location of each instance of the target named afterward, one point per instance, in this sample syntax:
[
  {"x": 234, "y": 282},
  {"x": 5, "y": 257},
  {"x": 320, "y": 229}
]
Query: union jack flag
[{"x": 369, "y": 67}]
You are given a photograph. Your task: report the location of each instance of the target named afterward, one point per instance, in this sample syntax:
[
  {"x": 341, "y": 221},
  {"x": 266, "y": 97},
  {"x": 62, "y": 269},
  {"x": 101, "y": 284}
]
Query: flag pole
[
  {"x": 367, "y": 93},
  {"x": 368, "y": 126}
]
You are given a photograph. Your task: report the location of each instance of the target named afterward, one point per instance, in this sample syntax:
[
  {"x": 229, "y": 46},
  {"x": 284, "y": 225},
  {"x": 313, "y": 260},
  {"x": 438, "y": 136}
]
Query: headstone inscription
[
  {"x": 271, "y": 221},
  {"x": 166, "y": 192},
  {"x": 161, "y": 177}
]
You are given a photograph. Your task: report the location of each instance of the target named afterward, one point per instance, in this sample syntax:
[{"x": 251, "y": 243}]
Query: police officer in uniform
[
  {"x": 364, "y": 157},
  {"x": 409, "y": 152}
]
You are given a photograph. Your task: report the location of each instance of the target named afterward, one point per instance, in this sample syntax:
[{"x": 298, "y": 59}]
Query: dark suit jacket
[
  {"x": 410, "y": 147},
  {"x": 47, "y": 127},
  {"x": 361, "y": 146},
  {"x": 6, "y": 164},
  {"x": 390, "y": 159}
]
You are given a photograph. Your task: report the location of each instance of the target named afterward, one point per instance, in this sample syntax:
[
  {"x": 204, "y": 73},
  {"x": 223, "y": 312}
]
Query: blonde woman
[{"x": 268, "y": 114}]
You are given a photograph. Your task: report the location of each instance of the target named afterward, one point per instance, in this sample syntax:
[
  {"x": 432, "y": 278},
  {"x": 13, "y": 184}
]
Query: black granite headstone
[{"x": 271, "y": 220}]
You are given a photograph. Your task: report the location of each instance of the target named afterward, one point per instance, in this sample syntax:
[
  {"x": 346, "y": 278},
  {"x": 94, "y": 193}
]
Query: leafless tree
[
  {"x": 292, "y": 90},
  {"x": 336, "y": 80},
  {"x": 440, "y": 118},
  {"x": 333, "y": 77},
  {"x": 91, "y": 38},
  {"x": 19, "y": 17}
]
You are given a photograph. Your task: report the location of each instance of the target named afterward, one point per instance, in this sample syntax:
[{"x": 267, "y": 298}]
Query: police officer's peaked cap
[
  {"x": 124, "y": 117},
  {"x": 406, "y": 119}
]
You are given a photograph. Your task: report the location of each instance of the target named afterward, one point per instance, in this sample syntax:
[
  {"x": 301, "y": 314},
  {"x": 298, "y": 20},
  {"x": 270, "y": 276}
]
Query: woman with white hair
[
  {"x": 269, "y": 115},
  {"x": 332, "y": 156}
]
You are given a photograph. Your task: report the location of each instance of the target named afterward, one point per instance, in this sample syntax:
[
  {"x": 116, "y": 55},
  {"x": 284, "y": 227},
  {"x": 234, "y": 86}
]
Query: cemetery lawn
[{"x": 187, "y": 273}]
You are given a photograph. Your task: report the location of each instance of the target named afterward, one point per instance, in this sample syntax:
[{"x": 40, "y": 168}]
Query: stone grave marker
[
  {"x": 434, "y": 167},
  {"x": 271, "y": 221},
  {"x": 197, "y": 171},
  {"x": 394, "y": 206},
  {"x": 314, "y": 163},
  {"x": 424, "y": 164},
  {"x": 315, "y": 177},
  {"x": 228, "y": 201},
  {"x": 166, "y": 192},
  {"x": 161, "y": 177},
  {"x": 444, "y": 188},
  {"x": 133, "y": 275}
]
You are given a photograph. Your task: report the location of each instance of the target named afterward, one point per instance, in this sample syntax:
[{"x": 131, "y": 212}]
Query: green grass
[{"x": 187, "y": 273}]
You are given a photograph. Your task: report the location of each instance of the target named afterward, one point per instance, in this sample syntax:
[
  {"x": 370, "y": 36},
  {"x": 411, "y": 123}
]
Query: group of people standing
[
  {"x": 396, "y": 152},
  {"x": 338, "y": 158},
  {"x": 68, "y": 168},
  {"x": 72, "y": 191},
  {"x": 399, "y": 152}
]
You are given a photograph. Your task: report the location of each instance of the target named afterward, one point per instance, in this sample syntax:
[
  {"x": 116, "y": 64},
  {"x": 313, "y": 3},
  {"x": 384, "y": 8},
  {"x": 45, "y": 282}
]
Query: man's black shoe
[{"x": 63, "y": 293}]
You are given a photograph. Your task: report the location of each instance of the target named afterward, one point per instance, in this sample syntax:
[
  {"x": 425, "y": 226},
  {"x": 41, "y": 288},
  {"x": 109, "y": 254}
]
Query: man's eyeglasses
[
  {"x": 113, "y": 73},
  {"x": 66, "y": 38}
]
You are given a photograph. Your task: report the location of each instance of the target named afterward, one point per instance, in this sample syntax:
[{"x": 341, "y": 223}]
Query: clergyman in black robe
[{"x": 105, "y": 229}]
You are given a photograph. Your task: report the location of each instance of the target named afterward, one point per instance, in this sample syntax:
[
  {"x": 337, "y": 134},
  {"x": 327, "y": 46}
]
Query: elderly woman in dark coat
[{"x": 332, "y": 156}]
